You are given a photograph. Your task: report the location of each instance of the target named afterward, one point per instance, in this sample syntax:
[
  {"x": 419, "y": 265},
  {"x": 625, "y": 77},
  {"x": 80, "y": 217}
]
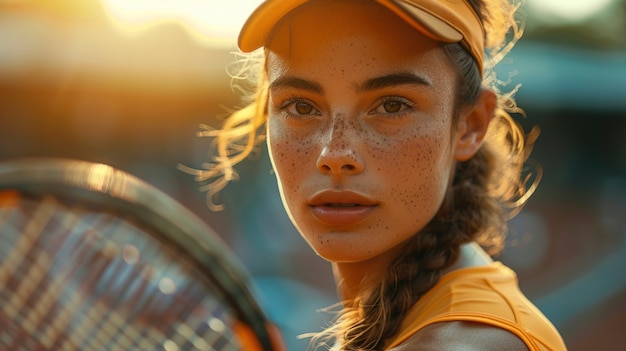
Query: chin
[{"x": 340, "y": 254}]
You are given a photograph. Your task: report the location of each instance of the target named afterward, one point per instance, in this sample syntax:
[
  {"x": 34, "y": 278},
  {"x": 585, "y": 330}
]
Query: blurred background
[{"x": 129, "y": 82}]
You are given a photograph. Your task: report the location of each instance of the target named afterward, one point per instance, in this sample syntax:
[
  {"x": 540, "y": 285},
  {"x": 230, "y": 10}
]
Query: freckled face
[{"x": 359, "y": 128}]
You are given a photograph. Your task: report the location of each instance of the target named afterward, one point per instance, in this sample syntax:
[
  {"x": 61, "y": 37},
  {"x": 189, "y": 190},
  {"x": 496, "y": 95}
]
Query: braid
[{"x": 408, "y": 279}]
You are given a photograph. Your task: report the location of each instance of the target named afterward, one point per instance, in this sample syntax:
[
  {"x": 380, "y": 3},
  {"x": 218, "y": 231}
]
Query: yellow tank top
[{"x": 487, "y": 294}]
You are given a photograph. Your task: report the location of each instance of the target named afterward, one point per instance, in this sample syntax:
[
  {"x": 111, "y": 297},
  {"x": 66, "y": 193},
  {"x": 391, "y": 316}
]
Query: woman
[{"x": 397, "y": 162}]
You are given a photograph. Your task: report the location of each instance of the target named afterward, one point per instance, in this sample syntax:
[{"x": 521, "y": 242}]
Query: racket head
[{"x": 93, "y": 257}]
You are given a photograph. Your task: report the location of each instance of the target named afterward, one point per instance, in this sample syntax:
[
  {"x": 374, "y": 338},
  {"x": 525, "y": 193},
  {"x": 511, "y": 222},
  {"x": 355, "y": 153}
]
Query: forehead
[{"x": 353, "y": 35}]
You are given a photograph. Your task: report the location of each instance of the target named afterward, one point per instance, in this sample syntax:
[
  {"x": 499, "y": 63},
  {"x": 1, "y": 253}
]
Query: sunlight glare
[
  {"x": 569, "y": 11},
  {"x": 215, "y": 22}
]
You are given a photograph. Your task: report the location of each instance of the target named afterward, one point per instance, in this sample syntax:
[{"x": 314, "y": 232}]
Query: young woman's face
[{"x": 360, "y": 128}]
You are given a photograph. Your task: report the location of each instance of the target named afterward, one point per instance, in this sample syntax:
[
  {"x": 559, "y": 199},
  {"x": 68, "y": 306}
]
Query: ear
[{"x": 472, "y": 125}]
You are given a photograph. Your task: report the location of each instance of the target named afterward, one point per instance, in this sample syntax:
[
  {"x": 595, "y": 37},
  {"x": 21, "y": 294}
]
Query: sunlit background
[{"x": 128, "y": 82}]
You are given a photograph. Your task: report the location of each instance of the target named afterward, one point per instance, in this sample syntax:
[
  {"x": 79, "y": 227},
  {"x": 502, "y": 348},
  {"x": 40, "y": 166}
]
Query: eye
[
  {"x": 298, "y": 107},
  {"x": 393, "y": 105},
  {"x": 303, "y": 108}
]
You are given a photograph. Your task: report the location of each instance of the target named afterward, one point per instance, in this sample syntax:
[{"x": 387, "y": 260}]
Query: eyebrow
[
  {"x": 393, "y": 79},
  {"x": 297, "y": 83},
  {"x": 389, "y": 80}
]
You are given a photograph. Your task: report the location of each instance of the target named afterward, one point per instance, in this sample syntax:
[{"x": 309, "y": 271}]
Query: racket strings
[{"x": 74, "y": 279}]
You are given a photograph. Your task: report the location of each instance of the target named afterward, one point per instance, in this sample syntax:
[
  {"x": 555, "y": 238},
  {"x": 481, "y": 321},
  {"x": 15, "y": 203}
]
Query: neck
[
  {"x": 352, "y": 277},
  {"x": 349, "y": 278}
]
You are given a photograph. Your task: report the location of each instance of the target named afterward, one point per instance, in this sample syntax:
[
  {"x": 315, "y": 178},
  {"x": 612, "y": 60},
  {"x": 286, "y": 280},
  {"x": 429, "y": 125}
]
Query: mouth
[
  {"x": 341, "y": 205},
  {"x": 341, "y": 208},
  {"x": 340, "y": 198}
]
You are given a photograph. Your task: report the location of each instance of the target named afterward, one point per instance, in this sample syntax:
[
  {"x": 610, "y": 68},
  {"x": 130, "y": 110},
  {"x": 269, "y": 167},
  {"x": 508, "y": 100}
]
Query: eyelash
[
  {"x": 407, "y": 106},
  {"x": 284, "y": 107}
]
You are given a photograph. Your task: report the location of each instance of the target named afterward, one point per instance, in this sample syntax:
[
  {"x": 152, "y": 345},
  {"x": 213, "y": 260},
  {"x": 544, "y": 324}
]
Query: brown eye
[
  {"x": 299, "y": 108},
  {"x": 392, "y": 106},
  {"x": 303, "y": 108}
]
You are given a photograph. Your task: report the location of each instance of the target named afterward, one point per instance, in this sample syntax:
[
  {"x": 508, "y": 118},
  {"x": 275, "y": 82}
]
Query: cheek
[
  {"x": 419, "y": 171},
  {"x": 288, "y": 155}
]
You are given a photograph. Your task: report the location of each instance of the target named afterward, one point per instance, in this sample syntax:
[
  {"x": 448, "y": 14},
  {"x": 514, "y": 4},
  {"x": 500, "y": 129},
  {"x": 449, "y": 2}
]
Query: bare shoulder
[{"x": 462, "y": 336}]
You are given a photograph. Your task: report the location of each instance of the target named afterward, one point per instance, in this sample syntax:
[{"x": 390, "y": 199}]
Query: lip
[{"x": 341, "y": 208}]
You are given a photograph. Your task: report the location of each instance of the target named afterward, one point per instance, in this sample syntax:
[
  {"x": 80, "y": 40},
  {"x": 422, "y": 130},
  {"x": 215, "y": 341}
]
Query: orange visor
[{"x": 448, "y": 21}]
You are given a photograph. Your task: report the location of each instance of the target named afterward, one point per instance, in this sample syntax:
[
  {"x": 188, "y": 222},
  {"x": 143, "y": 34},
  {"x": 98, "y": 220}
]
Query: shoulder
[{"x": 462, "y": 336}]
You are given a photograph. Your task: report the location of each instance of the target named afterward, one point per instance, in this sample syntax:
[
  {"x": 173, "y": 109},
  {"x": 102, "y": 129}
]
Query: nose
[
  {"x": 339, "y": 155},
  {"x": 336, "y": 162}
]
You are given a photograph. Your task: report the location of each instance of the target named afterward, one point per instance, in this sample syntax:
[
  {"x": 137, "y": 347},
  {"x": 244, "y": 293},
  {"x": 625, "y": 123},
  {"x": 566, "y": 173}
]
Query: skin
[{"x": 361, "y": 135}]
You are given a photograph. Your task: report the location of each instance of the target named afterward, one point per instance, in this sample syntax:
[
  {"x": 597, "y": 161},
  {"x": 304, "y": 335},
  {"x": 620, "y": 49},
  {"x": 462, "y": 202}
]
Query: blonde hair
[
  {"x": 241, "y": 132},
  {"x": 487, "y": 190}
]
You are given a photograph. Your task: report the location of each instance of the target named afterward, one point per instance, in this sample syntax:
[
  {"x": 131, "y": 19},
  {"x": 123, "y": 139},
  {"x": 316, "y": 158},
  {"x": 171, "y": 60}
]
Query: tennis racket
[{"x": 92, "y": 258}]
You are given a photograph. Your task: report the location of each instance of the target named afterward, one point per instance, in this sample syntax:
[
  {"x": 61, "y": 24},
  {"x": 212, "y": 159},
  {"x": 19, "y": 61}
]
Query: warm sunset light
[
  {"x": 216, "y": 22},
  {"x": 213, "y": 23}
]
